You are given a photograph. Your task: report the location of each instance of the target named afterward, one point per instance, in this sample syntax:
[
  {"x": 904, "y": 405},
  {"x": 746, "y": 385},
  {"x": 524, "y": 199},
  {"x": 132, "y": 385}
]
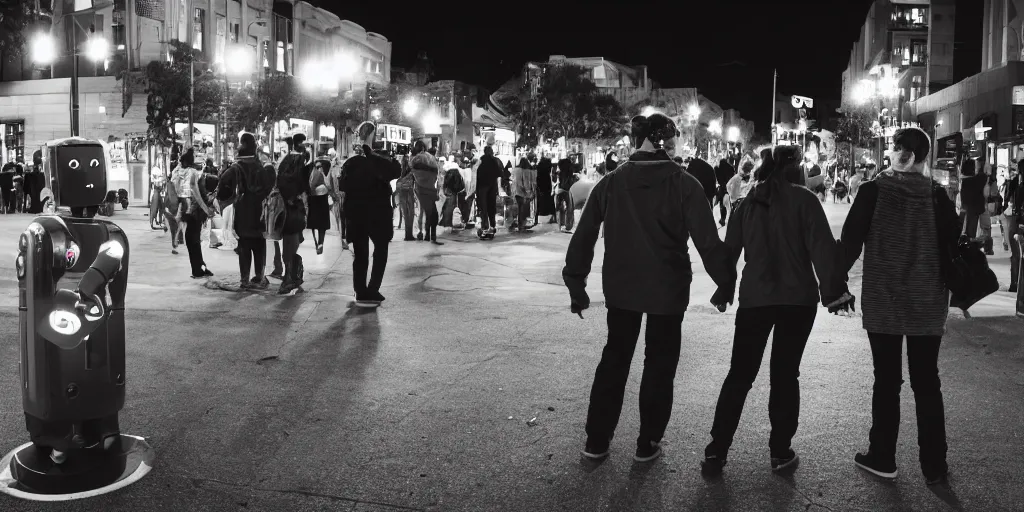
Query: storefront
[
  {"x": 394, "y": 138},
  {"x": 503, "y": 142}
]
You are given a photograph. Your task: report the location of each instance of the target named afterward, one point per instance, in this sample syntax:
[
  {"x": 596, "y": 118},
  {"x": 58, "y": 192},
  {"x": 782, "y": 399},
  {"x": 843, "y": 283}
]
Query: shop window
[{"x": 14, "y": 141}]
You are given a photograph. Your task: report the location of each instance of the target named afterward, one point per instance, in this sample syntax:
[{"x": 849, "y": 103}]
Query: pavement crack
[
  {"x": 201, "y": 482},
  {"x": 810, "y": 502}
]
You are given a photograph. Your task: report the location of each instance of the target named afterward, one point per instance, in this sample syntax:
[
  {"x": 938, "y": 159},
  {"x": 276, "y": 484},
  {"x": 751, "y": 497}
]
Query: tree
[
  {"x": 854, "y": 129},
  {"x": 15, "y": 19},
  {"x": 571, "y": 106},
  {"x": 511, "y": 105},
  {"x": 168, "y": 96}
]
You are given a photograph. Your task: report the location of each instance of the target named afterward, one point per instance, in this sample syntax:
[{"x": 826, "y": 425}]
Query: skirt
[
  {"x": 545, "y": 203},
  {"x": 319, "y": 216}
]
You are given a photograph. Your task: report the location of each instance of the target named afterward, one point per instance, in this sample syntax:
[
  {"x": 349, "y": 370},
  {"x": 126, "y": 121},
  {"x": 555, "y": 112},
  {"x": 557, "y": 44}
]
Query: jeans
[
  {"x": 487, "y": 201},
  {"x": 922, "y": 359},
  {"x": 289, "y": 247},
  {"x": 466, "y": 208},
  {"x": 278, "y": 264},
  {"x": 523, "y": 205},
  {"x": 792, "y": 326},
  {"x": 406, "y": 210},
  {"x": 1011, "y": 227},
  {"x": 661, "y": 357},
  {"x": 194, "y": 245},
  {"x": 970, "y": 224},
  {"x": 361, "y": 247},
  {"x": 428, "y": 204},
  {"x": 252, "y": 252},
  {"x": 566, "y": 210}
]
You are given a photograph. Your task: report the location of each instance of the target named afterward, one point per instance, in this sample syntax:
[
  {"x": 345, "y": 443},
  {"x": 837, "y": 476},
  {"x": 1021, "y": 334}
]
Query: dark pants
[
  {"x": 792, "y": 326},
  {"x": 278, "y": 264},
  {"x": 84, "y": 212},
  {"x": 252, "y": 252},
  {"x": 661, "y": 357},
  {"x": 523, "y": 205},
  {"x": 923, "y": 361},
  {"x": 1011, "y": 228},
  {"x": 970, "y": 223},
  {"x": 466, "y": 208},
  {"x": 487, "y": 201},
  {"x": 361, "y": 247},
  {"x": 428, "y": 204},
  {"x": 193, "y": 233},
  {"x": 406, "y": 211},
  {"x": 722, "y": 209},
  {"x": 566, "y": 210},
  {"x": 289, "y": 247}
]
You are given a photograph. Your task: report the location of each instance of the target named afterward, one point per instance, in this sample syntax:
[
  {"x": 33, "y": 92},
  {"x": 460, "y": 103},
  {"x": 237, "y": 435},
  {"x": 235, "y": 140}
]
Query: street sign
[{"x": 801, "y": 102}]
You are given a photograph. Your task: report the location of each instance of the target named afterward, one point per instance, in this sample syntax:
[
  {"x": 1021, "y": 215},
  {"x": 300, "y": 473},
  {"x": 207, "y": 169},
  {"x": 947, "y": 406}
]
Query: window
[
  {"x": 916, "y": 87},
  {"x": 233, "y": 31},
  {"x": 14, "y": 141},
  {"x": 197, "y": 29},
  {"x": 919, "y": 52}
]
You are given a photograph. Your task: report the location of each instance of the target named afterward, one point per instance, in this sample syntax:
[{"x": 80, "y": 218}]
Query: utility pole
[
  {"x": 775, "y": 79},
  {"x": 190, "y": 20}
]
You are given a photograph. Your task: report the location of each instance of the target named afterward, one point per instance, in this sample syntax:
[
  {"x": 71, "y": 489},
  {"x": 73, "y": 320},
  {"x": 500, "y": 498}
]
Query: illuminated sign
[{"x": 802, "y": 102}]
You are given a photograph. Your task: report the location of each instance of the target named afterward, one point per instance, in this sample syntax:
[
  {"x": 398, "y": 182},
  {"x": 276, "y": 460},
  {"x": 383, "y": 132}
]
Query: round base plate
[{"x": 28, "y": 473}]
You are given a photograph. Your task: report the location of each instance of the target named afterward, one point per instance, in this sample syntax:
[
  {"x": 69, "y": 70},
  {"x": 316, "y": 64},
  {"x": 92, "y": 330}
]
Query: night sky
[{"x": 725, "y": 48}]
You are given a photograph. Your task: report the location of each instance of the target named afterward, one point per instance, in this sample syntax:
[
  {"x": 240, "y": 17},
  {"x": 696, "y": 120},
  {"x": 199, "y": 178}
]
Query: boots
[
  {"x": 292, "y": 278},
  {"x": 989, "y": 246}
]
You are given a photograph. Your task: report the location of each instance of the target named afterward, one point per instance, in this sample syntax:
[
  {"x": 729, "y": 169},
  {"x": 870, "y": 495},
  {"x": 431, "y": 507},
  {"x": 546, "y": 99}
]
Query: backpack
[
  {"x": 273, "y": 216},
  {"x": 170, "y": 194}
]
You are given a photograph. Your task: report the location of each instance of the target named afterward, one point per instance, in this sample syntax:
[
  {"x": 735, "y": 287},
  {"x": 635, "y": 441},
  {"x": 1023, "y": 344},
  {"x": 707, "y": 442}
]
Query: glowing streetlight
[
  {"x": 410, "y": 107},
  {"x": 715, "y": 126},
  {"x": 694, "y": 111},
  {"x": 239, "y": 61},
  {"x": 734, "y": 134},
  {"x": 97, "y": 49},
  {"x": 44, "y": 49},
  {"x": 375, "y": 114},
  {"x": 345, "y": 65},
  {"x": 863, "y": 91}
]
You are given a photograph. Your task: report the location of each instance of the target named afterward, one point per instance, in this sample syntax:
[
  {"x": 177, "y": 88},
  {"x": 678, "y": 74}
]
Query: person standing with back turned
[
  {"x": 650, "y": 209},
  {"x": 365, "y": 187}
]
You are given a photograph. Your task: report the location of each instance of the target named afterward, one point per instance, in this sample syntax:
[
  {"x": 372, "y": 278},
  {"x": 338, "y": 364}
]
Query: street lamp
[
  {"x": 44, "y": 51},
  {"x": 409, "y": 107},
  {"x": 694, "y": 111},
  {"x": 734, "y": 134},
  {"x": 375, "y": 114}
]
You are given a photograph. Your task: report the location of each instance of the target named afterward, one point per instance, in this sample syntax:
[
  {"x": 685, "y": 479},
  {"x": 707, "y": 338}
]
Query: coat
[
  {"x": 249, "y": 183},
  {"x": 651, "y": 210},
  {"x": 524, "y": 182}
]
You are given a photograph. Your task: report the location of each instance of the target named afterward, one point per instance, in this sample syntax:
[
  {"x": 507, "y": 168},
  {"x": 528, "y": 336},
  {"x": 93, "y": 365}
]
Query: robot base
[{"x": 28, "y": 473}]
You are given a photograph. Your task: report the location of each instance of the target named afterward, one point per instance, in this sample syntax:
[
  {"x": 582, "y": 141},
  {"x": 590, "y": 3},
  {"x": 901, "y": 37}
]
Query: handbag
[{"x": 966, "y": 272}]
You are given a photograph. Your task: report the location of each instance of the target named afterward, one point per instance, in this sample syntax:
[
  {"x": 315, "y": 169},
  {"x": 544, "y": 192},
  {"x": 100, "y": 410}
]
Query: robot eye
[
  {"x": 74, "y": 164},
  {"x": 94, "y": 163}
]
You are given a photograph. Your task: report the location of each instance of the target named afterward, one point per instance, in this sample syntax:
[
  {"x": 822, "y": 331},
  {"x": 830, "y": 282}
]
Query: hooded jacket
[
  {"x": 786, "y": 241},
  {"x": 650, "y": 210},
  {"x": 252, "y": 183}
]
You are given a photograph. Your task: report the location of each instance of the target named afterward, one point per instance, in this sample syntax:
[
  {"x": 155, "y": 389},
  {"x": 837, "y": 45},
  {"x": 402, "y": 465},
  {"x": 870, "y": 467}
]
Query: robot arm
[{"x": 78, "y": 313}]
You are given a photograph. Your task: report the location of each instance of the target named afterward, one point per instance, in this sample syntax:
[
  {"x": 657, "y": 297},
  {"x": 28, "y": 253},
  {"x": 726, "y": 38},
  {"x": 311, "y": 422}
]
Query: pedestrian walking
[
  {"x": 782, "y": 231},
  {"x": 318, "y": 219},
  {"x": 906, "y": 224},
  {"x": 545, "y": 188},
  {"x": 723, "y": 173},
  {"x": 488, "y": 175},
  {"x": 293, "y": 183},
  {"x": 195, "y": 208},
  {"x": 524, "y": 184},
  {"x": 650, "y": 210},
  {"x": 1013, "y": 202},
  {"x": 245, "y": 185},
  {"x": 425, "y": 172},
  {"x": 337, "y": 202},
  {"x": 705, "y": 174},
  {"x": 366, "y": 184},
  {"x": 563, "y": 195}
]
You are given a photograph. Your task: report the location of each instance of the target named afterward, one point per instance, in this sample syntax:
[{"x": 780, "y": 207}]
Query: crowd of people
[{"x": 903, "y": 223}]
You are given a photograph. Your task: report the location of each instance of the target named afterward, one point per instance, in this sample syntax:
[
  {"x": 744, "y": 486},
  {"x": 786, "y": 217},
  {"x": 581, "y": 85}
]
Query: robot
[{"x": 72, "y": 280}]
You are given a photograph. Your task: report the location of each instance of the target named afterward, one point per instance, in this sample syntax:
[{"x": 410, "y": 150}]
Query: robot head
[{"x": 77, "y": 170}]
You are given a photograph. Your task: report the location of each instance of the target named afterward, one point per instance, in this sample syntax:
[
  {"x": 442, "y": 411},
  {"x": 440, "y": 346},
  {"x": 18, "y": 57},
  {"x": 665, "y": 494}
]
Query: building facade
[
  {"x": 277, "y": 36},
  {"x": 983, "y": 115}
]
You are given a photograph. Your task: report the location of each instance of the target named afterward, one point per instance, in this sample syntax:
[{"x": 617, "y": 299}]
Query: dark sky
[{"x": 725, "y": 48}]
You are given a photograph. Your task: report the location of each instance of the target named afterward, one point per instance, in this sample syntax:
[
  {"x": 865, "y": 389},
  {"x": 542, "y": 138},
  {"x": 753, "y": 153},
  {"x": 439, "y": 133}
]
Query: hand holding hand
[{"x": 845, "y": 305}]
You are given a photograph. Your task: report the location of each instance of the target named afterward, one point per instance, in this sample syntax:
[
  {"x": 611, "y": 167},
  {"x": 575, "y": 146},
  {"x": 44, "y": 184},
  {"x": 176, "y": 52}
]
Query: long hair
[{"x": 767, "y": 165}]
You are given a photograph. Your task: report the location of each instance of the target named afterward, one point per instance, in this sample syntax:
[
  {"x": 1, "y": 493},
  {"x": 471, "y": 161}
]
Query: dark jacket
[
  {"x": 786, "y": 240},
  {"x": 1014, "y": 197},
  {"x": 650, "y": 209},
  {"x": 366, "y": 181},
  {"x": 705, "y": 174},
  {"x": 972, "y": 188},
  {"x": 252, "y": 183},
  {"x": 723, "y": 173},
  {"x": 488, "y": 173},
  {"x": 293, "y": 176},
  {"x": 544, "y": 182}
]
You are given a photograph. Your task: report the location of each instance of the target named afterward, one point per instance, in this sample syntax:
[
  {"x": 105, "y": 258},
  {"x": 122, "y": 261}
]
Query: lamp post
[
  {"x": 44, "y": 51},
  {"x": 693, "y": 114},
  {"x": 880, "y": 87},
  {"x": 714, "y": 128}
]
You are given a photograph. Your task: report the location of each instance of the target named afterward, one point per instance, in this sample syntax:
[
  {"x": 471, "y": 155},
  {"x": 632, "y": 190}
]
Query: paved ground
[{"x": 257, "y": 402}]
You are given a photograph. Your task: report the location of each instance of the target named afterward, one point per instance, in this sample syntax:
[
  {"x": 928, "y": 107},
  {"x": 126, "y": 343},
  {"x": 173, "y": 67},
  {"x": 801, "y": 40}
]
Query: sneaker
[
  {"x": 244, "y": 284},
  {"x": 874, "y": 465},
  {"x": 367, "y": 301},
  {"x": 408, "y": 239},
  {"x": 781, "y": 463},
  {"x": 435, "y": 242},
  {"x": 320, "y": 249},
  {"x": 596, "y": 449},
  {"x": 647, "y": 452},
  {"x": 207, "y": 273},
  {"x": 936, "y": 474},
  {"x": 277, "y": 274},
  {"x": 259, "y": 283},
  {"x": 419, "y": 236},
  {"x": 375, "y": 297},
  {"x": 1012, "y": 288}
]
